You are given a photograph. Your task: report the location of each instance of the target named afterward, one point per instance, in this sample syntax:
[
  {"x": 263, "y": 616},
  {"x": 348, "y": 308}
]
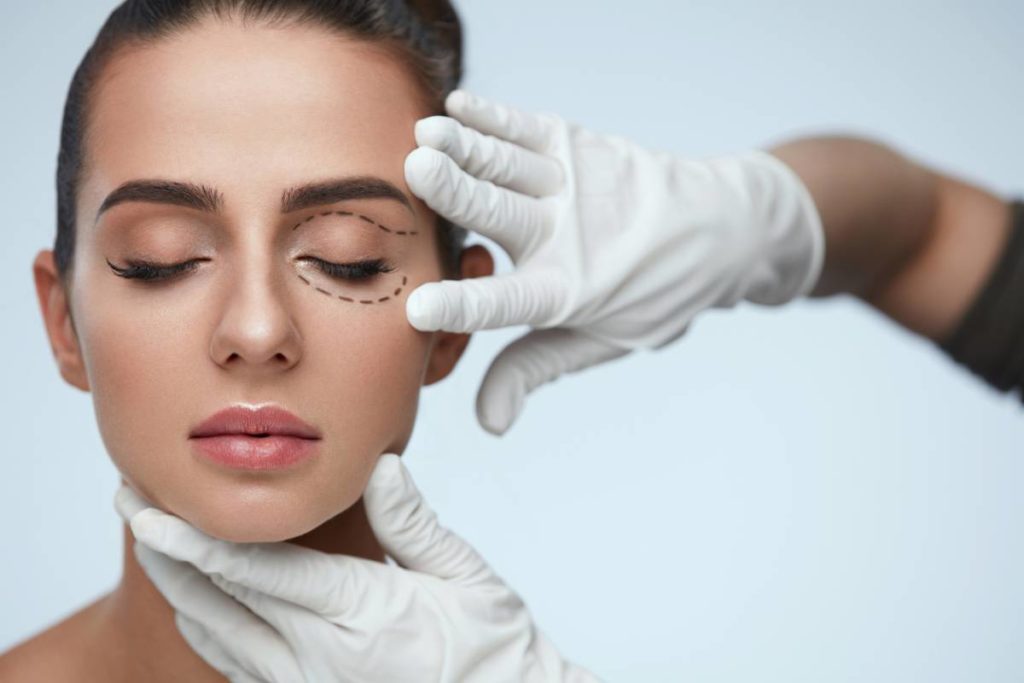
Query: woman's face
[{"x": 248, "y": 113}]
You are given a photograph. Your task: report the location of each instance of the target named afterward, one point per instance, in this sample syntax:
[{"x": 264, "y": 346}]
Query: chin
[{"x": 255, "y": 515}]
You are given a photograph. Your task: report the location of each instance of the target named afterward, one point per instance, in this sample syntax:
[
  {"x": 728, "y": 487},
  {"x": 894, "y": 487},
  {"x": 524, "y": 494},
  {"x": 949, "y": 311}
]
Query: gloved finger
[
  {"x": 533, "y": 131},
  {"x": 489, "y": 158},
  {"x": 408, "y": 529},
  {"x": 295, "y": 623},
  {"x": 320, "y": 640},
  {"x": 128, "y": 503},
  {"x": 283, "y": 570},
  {"x": 485, "y": 303},
  {"x": 212, "y": 652},
  {"x": 538, "y": 357},
  {"x": 513, "y": 220},
  {"x": 249, "y": 641}
]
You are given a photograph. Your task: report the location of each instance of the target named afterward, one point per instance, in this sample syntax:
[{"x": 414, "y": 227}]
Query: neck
[{"x": 146, "y": 643}]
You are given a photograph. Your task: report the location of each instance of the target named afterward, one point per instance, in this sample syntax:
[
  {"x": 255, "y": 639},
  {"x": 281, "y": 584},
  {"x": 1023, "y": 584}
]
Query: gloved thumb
[
  {"x": 409, "y": 532},
  {"x": 536, "y": 358},
  {"x": 128, "y": 503}
]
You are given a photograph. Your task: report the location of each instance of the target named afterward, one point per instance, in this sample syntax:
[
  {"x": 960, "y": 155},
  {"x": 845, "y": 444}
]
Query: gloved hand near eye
[
  {"x": 616, "y": 247},
  {"x": 443, "y": 615}
]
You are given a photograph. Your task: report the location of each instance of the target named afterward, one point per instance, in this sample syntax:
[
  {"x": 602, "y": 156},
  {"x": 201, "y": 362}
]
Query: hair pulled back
[{"x": 425, "y": 34}]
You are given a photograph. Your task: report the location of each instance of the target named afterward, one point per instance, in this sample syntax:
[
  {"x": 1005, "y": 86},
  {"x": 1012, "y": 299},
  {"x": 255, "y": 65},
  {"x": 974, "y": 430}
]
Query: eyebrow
[{"x": 211, "y": 200}]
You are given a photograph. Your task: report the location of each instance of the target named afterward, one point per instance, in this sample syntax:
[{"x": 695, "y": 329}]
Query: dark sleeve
[{"x": 989, "y": 340}]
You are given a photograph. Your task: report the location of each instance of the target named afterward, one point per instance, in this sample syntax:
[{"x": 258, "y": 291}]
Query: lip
[
  {"x": 229, "y": 437},
  {"x": 267, "y": 419}
]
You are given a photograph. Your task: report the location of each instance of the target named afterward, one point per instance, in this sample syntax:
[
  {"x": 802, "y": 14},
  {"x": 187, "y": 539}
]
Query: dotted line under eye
[
  {"x": 349, "y": 299},
  {"x": 361, "y": 217},
  {"x": 374, "y": 223}
]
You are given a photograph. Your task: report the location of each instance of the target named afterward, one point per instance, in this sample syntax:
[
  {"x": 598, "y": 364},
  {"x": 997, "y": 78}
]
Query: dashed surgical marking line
[
  {"x": 350, "y": 300},
  {"x": 366, "y": 219},
  {"x": 361, "y": 217}
]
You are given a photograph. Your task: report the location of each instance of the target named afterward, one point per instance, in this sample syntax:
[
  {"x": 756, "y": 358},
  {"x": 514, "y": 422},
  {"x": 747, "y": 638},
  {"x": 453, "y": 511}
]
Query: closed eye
[
  {"x": 147, "y": 271},
  {"x": 355, "y": 271}
]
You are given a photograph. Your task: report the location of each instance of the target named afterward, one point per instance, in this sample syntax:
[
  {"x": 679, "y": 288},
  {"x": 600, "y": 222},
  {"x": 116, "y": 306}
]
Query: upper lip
[{"x": 267, "y": 419}]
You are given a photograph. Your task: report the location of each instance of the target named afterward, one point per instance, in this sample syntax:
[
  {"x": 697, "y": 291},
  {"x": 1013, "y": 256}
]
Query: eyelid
[
  {"x": 151, "y": 271},
  {"x": 357, "y": 215},
  {"x": 362, "y": 269}
]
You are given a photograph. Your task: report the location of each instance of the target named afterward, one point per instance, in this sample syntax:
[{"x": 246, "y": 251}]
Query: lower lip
[{"x": 242, "y": 452}]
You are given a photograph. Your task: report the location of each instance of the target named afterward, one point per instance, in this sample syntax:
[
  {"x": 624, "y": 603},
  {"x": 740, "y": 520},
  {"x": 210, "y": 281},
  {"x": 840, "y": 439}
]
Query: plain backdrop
[{"x": 795, "y": 494}]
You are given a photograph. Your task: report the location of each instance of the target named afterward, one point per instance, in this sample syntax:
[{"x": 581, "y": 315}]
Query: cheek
[
  {"x": 369, "y": 372},
  {"x": 152, "y": 378},
  {"x": 361, "y": 381},
  {"x": 143, "y": 366}
]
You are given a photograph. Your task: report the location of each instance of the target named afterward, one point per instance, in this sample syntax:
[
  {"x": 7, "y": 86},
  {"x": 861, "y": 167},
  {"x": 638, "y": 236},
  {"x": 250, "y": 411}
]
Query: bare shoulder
[{"x": 58, "y": 653}]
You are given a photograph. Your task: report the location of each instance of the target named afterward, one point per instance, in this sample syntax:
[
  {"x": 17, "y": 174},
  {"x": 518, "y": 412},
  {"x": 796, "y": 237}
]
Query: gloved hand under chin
[
  {"x": 280, "y": 613},
  {"x": 615, "y": 247}
]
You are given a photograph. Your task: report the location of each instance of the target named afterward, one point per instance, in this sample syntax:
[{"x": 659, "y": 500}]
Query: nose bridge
[{"x": 256, "y": 325}]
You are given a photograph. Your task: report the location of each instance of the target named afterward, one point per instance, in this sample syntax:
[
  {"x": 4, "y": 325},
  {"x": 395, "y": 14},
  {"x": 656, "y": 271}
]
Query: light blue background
[{"x": 800, "y": 494}]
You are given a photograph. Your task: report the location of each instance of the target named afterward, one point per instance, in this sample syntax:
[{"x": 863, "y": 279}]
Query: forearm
[{"x": 914, "y": 243}]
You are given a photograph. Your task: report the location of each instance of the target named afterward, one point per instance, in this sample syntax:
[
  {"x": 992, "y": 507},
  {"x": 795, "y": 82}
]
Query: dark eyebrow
[
  {"x": 340, "y": 189},
  {"x": 205, "y": 198},
  {"x": 164, "y": 192}
]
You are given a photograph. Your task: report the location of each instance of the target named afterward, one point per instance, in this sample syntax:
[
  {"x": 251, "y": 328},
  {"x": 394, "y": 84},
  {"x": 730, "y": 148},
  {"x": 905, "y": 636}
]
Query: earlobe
[
  {"x": 475, "y": 261},
  {"x": 448, "y": 348},
  {"x": 60, "y": 329}
]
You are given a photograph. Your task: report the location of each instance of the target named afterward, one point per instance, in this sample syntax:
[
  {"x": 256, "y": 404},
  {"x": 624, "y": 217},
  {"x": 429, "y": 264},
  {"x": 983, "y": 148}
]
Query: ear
[
  {"x": 475, "y": 261},
  {"x": 60, "y": 327}
]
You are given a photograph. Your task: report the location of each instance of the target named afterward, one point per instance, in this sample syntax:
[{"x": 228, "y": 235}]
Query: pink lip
[{"x": 228, "y": 438}]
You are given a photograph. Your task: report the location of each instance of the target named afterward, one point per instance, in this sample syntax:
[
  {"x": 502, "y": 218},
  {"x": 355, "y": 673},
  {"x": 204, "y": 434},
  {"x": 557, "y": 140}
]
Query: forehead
[{"x": 250, "y": 110}]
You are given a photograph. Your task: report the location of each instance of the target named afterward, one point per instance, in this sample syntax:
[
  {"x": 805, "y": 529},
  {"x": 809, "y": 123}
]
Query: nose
[{"x": 256, "y": 330}]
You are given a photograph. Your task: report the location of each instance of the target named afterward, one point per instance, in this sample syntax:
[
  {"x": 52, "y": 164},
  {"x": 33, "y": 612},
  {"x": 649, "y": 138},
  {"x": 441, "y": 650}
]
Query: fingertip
[
  {"x": 388, "y": 468},
  {"x": 496, "y": 413},
  {"x": 419, "y": 310},
  {"x": 421, "y": 167},
  {"x": 457, "y": 101},
  {"x": 146, "y": 525},
  {"x": 127, "y": 503},
  {"x": 435, "y": 131},
  {"x": 492, "y": 427}
]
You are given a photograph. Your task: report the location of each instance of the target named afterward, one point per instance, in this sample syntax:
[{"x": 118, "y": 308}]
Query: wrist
[{"x": 791, "y": 238}]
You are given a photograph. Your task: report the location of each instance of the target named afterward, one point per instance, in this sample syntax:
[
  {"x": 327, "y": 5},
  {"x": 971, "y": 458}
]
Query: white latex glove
[
  {"x": 616, "y": 247},
  {"x": 443, "y": 615}
]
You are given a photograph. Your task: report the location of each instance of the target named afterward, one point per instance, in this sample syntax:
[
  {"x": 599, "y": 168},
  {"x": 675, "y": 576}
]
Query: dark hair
[{"x": 426, "y": 34}]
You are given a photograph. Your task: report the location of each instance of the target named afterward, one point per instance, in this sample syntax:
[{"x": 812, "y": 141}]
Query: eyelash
[
  {"x": 352, "y": 272},
  {"x": 149, "y": 272},
  {"x": 154, "y": 272}
]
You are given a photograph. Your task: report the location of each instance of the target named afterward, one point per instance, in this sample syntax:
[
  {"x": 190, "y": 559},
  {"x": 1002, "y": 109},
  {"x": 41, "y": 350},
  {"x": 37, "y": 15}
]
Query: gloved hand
[
  {"x": 443, "y": 615},
  {"x": 616, "y": 247}
]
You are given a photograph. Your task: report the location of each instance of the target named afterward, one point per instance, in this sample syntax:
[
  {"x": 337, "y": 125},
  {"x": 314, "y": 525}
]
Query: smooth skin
[
  {"x": 250, "y": 111},
  {"x": 897, "y": 233},
  {"x": 271, "y": 586}
]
